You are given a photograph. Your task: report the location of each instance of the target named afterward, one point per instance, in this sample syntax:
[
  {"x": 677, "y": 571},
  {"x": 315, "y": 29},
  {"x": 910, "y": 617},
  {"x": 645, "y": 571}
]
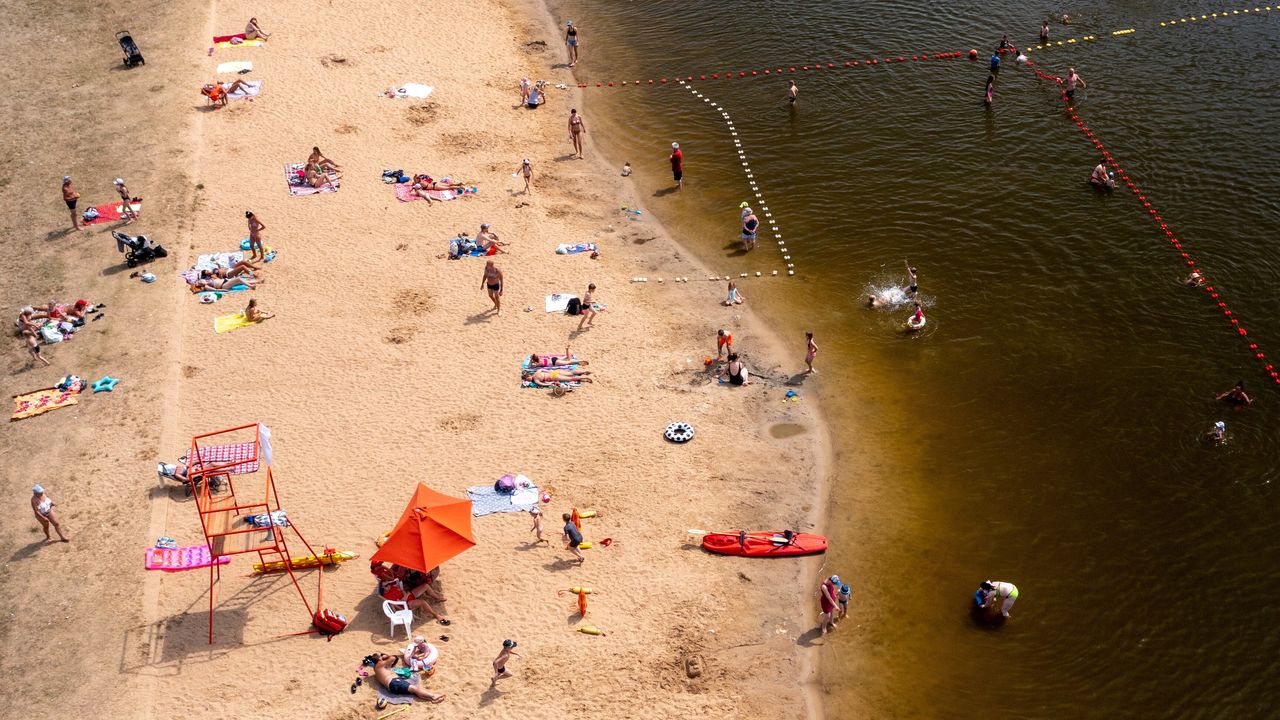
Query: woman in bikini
[
  {"x": 552, "y": 378},
  {"x": 42, "y": 506},
  {"x": 222, "y": 284},
  {"x": 255, "y": 236},
  {"x": 317, "y": 158},
  {"x": 576, "y": 129},
  {"x": 536, "y": 360},
  {"x": 253, "y": 314},
  {"x": 126, "y": 207},
  {"x": 571, "y": 40}
]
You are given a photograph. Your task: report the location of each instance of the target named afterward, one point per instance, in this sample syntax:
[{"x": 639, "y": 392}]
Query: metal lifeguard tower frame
[{"x": 225, "y": 454}]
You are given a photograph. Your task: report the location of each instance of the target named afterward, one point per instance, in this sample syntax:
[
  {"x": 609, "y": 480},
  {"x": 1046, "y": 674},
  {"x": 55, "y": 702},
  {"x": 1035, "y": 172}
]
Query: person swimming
[
  {"x": 1218, "y": 434},
  {"x": 916, "y": 321},
  {"x": 1236, "y": 395}
]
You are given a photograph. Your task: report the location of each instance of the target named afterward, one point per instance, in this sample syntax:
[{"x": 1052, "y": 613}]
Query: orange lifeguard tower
[{"x": 254, "y": 524}]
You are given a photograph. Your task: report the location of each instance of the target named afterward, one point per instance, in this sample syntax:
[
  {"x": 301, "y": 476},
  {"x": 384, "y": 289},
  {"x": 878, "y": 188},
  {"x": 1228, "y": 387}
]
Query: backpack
[
  {"x": 575, "y": 307},
  {"x": 506, "y": 485},
  {"x": 329, "y": 623}
]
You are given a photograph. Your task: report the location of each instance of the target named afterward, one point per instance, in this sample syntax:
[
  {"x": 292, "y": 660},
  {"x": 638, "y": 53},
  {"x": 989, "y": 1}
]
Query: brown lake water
[{"x": 1046, "y": 428}]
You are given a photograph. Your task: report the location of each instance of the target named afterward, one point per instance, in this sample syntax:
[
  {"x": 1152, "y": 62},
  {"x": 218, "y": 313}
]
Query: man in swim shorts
[
  {"x": 70, "y": 196},
  {"x": 572, "y": 539},
  {"x": 500, "y": 663},
  {"x": 382, "y": 671},
  {"x": 1072, "y": 80},
  {"x": 793, "y": 92},
  {"x": 677, "y": 164},
  {"x": 492, "y": 283}
]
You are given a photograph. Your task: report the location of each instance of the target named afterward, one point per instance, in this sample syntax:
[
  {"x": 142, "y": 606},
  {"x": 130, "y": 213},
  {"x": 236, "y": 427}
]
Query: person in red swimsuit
[
  {"x": 827, "y": 601},
  {"x": 391, "y": 586},
  {"x": 677, "y": 164}
]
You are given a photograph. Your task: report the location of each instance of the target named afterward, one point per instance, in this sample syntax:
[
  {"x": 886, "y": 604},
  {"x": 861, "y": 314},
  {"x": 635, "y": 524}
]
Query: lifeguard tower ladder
[{"x": 224, "y": 455}]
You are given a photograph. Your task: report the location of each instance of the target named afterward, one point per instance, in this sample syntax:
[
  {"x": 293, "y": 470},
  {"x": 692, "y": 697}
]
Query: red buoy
[{"x": 973, "y": 54}]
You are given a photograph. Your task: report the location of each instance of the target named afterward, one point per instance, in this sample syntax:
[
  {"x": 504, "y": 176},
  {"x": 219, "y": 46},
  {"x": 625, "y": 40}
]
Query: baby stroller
[
  {"x": 137, "y": 248},
  {"x": 132, "y": 55}
]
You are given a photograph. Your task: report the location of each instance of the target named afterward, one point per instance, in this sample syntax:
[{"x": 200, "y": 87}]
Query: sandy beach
[{"x": 383, "y": 368}]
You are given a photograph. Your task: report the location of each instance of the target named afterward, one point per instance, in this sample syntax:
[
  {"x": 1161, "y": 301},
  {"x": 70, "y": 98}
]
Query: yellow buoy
[
  {"x": 583, "y": 590},
  {"x": 587, "y": 630}
]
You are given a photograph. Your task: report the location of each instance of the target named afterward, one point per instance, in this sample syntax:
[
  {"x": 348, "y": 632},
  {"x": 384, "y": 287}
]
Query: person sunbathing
[
  {"x": 382, "y": 671},
  {"x": 222, "y": 284},
  {"x": 217, "y": 94},
  {"x": 253, "y": 314},
  {"x": 253, "y": 31},
  {"x": 536, "y": 360},
  {"x": 429, "y": 183},
  {"x": 555, "y": 378},
  {"x": 316, "y": 175},
  {"x": 317, "y": 158},
  {"x": 488, "y": 240}
]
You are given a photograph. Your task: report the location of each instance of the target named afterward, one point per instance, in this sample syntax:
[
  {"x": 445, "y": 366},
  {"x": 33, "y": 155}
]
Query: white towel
[
  {"x": 414, "y": 90},
  {"x": 559, "y": 302},
  {"x": 235, "y": 67},
  {"x": 248, "y": 89}
]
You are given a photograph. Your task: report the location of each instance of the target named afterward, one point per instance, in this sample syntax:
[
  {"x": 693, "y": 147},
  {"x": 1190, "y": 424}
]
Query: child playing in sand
[
  {"x": 536, "y": 514},
  {"x": 572, "y": 538},
  {"x": 415, "y": 656},
  {"x": 500, "y": 663},
  {"x": 525, "y": 170},
  {"x": 733, "y": 297}
]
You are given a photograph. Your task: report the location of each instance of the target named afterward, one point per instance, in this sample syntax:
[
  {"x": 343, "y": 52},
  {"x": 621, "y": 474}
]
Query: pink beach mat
[
  {"x": 237, "y": 453},
  {"x": 183, "y": 558},
  {"x": 404, "y": 193}
]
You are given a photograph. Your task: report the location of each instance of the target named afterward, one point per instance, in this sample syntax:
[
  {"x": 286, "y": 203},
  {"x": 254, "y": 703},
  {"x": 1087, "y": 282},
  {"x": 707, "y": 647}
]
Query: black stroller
[
  {"x": 132, "y": 55},
  {"x": 137, "y": 248}
]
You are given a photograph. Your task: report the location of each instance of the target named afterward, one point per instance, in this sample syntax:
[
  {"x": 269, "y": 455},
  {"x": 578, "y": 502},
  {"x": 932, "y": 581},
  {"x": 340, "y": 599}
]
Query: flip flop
[
  {"x": 445, "y": 622},
  {"x": 97, "y": 317},
  {"x": 444, "y": 638},
  {"x": 355, "y": 685}
]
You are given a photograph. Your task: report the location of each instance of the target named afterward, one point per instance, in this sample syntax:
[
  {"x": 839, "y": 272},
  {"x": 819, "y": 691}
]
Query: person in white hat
[
  {"x": 42, "y": 506},
  {"x": 571, "y": 40},
  {"x": 126, "y": 209},
  {"x": 1219, "y": 433},
  {"x": 527, "y": 171},
  {"x": 677, "y": 164}
]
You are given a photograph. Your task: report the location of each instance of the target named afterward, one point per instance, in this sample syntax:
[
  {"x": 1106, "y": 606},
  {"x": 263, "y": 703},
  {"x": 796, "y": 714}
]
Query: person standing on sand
[
  {"x": 536, "y": 514},
  {"x": 587, "y": 309},
  {"x": 70, "y": 196},
  {"x": 1072, "y": 80},
  {"x": 828, "y": 602},
  {"x": 811, "y": 352},
  {"x": 724, "y": 342},
  {"x": 572, "y": 537},
  {"x": 255, "y": 236},
  {"x": 576, "y": 129},
  {"x": 126, "y": 206},
  {"x": 524, "y": 90},
  {"x": 500, "y": 663},
  {"x": 526, "y": 170},
  {"x": 42, "y": 506},
  {"x": 677, "y": 164},
  {"x": 492, "y": 283},
  {"x": 571, "y": 41},
  {"x": 793, "y": 92}
]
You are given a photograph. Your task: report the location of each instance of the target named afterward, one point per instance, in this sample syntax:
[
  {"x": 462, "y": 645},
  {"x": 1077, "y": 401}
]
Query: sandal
[
  {"x": 444, "y": 638},
  {"x": 443, "y": 621},
  {"x": 355, "y": 685}
]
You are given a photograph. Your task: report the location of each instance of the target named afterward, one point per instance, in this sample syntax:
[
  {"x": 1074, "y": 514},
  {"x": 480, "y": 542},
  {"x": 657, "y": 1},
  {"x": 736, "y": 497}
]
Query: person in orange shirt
[{"x": 724, "y": 342}]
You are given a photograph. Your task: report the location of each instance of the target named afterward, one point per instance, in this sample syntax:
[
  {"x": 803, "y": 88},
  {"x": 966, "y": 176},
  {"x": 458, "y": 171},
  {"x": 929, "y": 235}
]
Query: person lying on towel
[
  {"x": 554, "y": 378},
  {"x": 218, "y": 94}
]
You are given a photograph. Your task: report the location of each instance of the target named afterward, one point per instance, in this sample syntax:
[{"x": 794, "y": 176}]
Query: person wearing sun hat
[
  {"x": 828, "y": 602},
  {"x": 526, "y": 171},
  {"x": 126, "y": 209}
]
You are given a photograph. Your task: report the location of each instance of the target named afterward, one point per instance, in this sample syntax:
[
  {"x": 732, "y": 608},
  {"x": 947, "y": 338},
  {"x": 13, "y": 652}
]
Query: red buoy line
[
  {"x": 751, "y": 180},
  {"x": 1173, "y": 239}
]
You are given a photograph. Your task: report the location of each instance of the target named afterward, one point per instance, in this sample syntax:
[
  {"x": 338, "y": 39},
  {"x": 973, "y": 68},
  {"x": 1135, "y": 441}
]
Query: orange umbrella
[{"x": 432, "y": 529}]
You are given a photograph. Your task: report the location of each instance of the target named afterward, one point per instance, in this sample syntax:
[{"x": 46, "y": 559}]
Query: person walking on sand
[
  {"x": 588, "y": 309},
  {"x": 724, "y": 342},
  {"x": 255, "y": 236},
  {"x": 526, "y": 170},
  {"x": 500, "y": 663},
  {"x": 536, "y": 514},
  {"x": 677, "y": 164},
  {"x": 572, "y": 537},
  {"x": 1072, "y": 80},
  {"x": 70, "y": 196},
  {"x": 126, "y": 207},
  {"x": 793, "y": 92},
  {"x": 828, "y": 602},
  {"x": 750, "y": 224},
  {"x": 42, "y": 506},
  {"x": 811, "y": 352},
  {"x": 576, "y": 129},
  {"x": 571, "y": 41},
  {"x": 492, "y": 284}
]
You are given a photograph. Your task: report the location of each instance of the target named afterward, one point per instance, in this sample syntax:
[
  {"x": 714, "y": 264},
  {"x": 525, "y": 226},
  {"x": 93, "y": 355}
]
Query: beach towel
[
  {"x": 563, "y": 249},
  {"x": 415, "y": 91},
  {"x": 559, "y": 302},
  {"x": 237, "y": 66},
  {"x": 233, "y": 453},
  {"x": 404, "y": 193},
  {"x": 295, "y": 176},
  {"x": 227, "y": 323},
  {"x": 530, "y": 384},
  {"x": 248, "y": 89},
  {"x": 572, "y": 362},
  {"x": 224, "y": 41},
  {"x": 40, "y": 402},
  {"x": 183, "y": 558},
  {"x": 395, "y": 698},
  {"x": 486, "y": 501},
  {"x": 111, "y": 212}
]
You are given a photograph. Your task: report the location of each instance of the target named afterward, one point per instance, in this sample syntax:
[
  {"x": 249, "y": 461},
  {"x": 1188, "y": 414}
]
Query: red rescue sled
[{"x": 764, "y": 544}]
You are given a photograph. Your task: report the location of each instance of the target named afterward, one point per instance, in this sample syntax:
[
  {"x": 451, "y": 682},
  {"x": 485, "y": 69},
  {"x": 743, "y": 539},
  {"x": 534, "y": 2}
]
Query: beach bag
[
  {"x": 574, "y": 308},
  {"x": 50, "y": 334},
  {"x": 90, "y": 214},
  {"x": 506, "y": 485},
  {"x": 329, "y": 623}
]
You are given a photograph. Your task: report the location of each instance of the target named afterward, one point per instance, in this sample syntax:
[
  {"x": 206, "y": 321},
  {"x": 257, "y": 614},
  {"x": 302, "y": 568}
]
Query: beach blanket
[
  {"x": 40, "y": 402},
  {"x": 248, "y": 89},
  {"x": 487, "y": 501},
  {"x": 111, "y": 212},
  {"x": 183, "y": 558},
  {"x": 416, "y": 91},
  {"x": 295, "y": 176},
  {"x": 225, "y": 41},
  {"x": 404, "y": 193},
  {"x": 563, "y": 249},
  {"x": 227, "y": 323},
  {"x": 559, "y": 302},
  {"x": 235, "y": 452},
  {"x": 394, "y": 698},
  {"x": 572, "y": 362},
  {"x": 237, "y": 66}
]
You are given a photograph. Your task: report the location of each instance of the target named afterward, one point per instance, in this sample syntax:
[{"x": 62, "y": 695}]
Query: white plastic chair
[{"x": 398, "y": 612}]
